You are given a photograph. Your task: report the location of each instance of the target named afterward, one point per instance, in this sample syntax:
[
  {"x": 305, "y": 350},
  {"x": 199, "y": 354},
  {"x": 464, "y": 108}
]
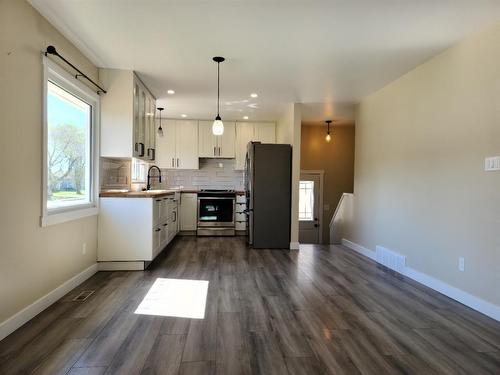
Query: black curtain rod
[{"x": 52, "y": 51}]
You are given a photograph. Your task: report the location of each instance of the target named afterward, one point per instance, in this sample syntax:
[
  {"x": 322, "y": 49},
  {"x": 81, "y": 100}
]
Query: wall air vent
[{"x": 390, "y": 259}]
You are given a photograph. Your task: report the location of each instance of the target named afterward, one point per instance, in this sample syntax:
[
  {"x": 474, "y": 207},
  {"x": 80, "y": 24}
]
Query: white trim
[
  {"x": 29, "y": 312},
  {"x": 122, "y": 266},
  {"x": 56, "y": 73},
  {"x": 476, "y": 303},
  {"x": 359, "y": 249},
  {"x": 65, "y": 216},
  {"x": 321, "y": 174},
  {"x": 294, "y": 246}
]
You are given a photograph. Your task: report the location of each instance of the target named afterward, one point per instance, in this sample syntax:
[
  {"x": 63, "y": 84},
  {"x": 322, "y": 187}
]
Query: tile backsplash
[{"x": 213, "y": 174}]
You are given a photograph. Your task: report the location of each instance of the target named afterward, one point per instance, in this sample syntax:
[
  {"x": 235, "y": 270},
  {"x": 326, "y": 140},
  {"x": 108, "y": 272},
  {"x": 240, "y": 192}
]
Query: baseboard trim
[
  {"x": 122, "y": 266},
  {"x": 359, "y": 249},
  {"x": 294, "y": 246},
  {"x": 476, "y": 303},
  {"x": 29, "y": 312}
]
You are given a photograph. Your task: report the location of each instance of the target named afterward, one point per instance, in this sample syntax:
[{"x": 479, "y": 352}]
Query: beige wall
[
  {"x": 420, "y": 187},
  {"x": 288, "y": 131},
  {"x": 33, "y": 260},
  {"x": 336, "y": 158}
]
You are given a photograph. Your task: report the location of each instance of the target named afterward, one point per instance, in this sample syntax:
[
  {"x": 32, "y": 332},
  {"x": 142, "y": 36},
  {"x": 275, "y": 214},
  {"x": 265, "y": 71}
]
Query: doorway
[{"x": 310, "y": 203}]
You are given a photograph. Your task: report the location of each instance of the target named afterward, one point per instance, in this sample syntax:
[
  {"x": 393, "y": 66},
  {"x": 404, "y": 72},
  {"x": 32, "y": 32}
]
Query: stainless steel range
[{"x": 216, "y": 213}]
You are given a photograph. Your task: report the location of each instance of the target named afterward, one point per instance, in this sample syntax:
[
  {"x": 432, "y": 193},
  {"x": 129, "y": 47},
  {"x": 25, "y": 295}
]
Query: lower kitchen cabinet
[
  {"x": 133, "y": 231},
  {"x": 240, "y": 217},
  {"x": 188, "y": 211}
]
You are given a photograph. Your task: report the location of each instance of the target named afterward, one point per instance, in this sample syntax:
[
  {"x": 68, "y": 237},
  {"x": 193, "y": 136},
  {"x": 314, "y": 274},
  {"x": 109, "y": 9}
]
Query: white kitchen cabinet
[
  {"x": 264, "y": 132},
  {"x": 188, "y": 211},
  {"x": 178, "y": 147},
  {"x": 127, "y": 116},
  {"x": 244, "y": 134},
  {"x": 133, "y": 231},
  {"x": 216, "y": 146},
  {"x": 240, "y": 217}
]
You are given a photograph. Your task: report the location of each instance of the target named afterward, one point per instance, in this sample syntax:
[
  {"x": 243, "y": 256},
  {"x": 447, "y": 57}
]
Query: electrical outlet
[
  {"x": 461, "y": 264},
  {"x": 84, "y": 248}
]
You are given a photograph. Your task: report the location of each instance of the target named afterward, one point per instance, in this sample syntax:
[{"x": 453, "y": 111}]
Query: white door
[
  {"x": 226, "y": 141},
  {"x": 186, "y": 144},
  {"x": 244, "y": 134},
  {"x": 207, "y": 143},
  {"x": 265, "y": 132},
  {"x": 165, "y": 145},
  {"x": 309, "y": 230}
]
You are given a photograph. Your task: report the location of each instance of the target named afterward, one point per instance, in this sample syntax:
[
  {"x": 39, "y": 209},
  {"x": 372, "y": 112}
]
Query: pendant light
[
  {"x": 218, "y": 125},
  {"x": 328, "y": 138},
  {"x": 160, "y": 129}
]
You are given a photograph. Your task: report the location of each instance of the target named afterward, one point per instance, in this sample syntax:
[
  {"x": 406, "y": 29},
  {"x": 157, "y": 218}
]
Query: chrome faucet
[{"x": 148, "y": 186}]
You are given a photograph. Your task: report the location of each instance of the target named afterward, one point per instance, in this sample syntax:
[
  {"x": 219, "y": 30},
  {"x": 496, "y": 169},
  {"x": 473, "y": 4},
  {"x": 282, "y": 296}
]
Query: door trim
[{"x": 321, "y": 174}]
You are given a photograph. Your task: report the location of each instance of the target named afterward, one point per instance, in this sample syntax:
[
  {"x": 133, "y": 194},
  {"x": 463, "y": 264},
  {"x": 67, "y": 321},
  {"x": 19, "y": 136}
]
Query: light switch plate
[{"x": 492, "y": 164}]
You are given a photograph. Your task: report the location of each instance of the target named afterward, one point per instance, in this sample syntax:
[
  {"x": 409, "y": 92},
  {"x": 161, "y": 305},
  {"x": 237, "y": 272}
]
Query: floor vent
[
  {"x": 83, "y": 295},
  {"x": 390, "y": 259}
]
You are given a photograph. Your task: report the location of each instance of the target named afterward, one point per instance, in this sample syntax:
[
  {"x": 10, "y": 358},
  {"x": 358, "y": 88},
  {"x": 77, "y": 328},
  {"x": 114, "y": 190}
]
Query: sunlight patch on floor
[{"x": 175, "y": 297}]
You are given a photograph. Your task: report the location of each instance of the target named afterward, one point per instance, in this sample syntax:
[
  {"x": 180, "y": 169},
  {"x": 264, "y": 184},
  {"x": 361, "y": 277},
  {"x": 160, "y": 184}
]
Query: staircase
[{"x": 341, "y": 217}]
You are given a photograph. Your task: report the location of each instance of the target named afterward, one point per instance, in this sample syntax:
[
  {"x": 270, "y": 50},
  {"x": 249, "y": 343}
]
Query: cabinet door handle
[
  {"x": 173, "y": 162},
  {"x": 214, "y": 150},
  {"x": 165, "y": 225},
  {"x": 175, "y": 212},
  {"x": 177, "y": 162},
  {"x": 141, "y": 153},
  {"x": 157, "y": 229}
]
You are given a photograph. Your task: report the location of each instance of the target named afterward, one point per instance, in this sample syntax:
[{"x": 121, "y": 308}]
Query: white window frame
[{"x": 56, "y": 74}]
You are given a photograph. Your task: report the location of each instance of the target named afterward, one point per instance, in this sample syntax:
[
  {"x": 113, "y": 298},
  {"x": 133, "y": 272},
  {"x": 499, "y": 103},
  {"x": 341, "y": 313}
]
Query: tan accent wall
[
  {"x": 336, "y": 158},
  {"x": 33, "y": 260},
  {"x": 420, "y": 188}
]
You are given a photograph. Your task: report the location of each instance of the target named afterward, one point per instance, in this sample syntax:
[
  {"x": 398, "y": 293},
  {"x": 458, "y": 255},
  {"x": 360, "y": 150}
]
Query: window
[
  {"x": 70, "y": 128},
  {"x": 306, "y": 200}
]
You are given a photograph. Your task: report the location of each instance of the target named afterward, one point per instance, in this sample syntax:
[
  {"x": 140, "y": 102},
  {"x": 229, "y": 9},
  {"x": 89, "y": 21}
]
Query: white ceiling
[{"x": 329, "y": 54}]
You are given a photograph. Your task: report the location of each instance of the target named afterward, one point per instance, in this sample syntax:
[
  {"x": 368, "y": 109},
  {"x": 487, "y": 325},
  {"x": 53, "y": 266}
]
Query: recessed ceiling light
[
  {"x": 184, "y": 115},
  {"x": 245, "y": 117},
  {"x": 253, "y": 95},
  {"x": 170, "y": 92}
]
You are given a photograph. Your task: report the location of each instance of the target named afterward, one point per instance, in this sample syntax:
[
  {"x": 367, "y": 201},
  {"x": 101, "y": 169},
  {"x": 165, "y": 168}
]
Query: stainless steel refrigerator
[{"x": 268, "y": 180}]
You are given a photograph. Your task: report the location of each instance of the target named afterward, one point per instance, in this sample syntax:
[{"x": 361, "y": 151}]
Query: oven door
[{"x": 216, "y": 211}]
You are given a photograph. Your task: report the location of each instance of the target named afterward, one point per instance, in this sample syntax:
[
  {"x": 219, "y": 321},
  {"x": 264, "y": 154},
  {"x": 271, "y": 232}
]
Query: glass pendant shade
[
  {"x": 328, "y": 138},
  {"x": 218, "y": 126},
  {"x": 160, "y": 131}
]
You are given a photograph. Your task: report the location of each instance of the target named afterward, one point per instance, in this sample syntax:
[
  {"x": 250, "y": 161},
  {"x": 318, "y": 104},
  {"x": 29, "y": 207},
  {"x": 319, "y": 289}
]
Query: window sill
[{"x": 62, "y": 217}]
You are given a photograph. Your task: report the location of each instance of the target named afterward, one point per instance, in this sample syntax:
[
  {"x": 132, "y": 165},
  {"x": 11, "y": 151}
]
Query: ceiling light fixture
[
  {"x": 245, "y": 117},
  {"x": 218, "y": 125},
  {"x": 160, "y": 129},
  {"x": 170, "y": 92},
  {"x": 184, "y": 115},
  {"x": 254, "y": 95},
  {"x": 328, "y": 138}
]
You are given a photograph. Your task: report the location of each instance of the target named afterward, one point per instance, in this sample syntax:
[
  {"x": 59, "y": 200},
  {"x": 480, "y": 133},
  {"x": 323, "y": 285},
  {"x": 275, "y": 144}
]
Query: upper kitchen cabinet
[
  {"x": 127, "y": 116},
  {"x": 178, "y": 147},
  {"x": 264, "y": 132},
  {"x": 216, "y": 146},
  {"x": 244, "y": 134}
]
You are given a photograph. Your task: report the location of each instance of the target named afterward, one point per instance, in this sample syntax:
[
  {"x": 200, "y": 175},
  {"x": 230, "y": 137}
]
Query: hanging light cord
[{"x": 218, "y": 87}]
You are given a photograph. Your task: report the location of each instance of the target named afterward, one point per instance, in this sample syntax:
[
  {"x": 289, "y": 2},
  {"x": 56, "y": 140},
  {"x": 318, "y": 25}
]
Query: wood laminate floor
[{"x": 320, "y": 310}]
